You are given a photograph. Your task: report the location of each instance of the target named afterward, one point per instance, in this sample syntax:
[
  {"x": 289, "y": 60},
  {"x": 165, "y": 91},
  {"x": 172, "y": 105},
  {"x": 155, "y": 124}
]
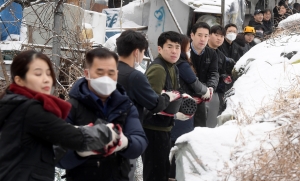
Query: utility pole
[{"x": 57, "y": 31}]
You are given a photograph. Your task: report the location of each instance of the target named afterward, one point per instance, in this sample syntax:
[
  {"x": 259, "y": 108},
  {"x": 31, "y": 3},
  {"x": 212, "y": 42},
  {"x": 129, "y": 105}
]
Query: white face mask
[
  {"x": 103, "y": 85},
  {"x": 188, "y": 54},
  {"x": 136, "y": 64},
  {"x": 231, "y": 36}
]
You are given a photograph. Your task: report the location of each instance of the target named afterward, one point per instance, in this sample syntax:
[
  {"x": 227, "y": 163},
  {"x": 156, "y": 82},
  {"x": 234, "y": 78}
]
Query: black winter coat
[
  {"x": 139, "y": 90},
  {"x": 27, "y": 135},
  {"x": 118, "y": 110},
  {"x": 206, "y": 66},
  {"x": 239, "y": 47},
  {"x": 189, "y": 83},
  {"x": 226, "y": 49}
]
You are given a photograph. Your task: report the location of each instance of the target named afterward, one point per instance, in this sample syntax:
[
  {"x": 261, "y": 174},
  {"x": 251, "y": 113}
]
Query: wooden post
[{"x": 4, "y": 69}]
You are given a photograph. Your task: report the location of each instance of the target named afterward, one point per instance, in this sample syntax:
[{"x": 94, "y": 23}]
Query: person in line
[
  {"x": 225, "y": 66},
  {"x": 267, "y": 22},
  {"x": 243, "y": 43},
  {"x": 162, "y": 75},
  {"x": 296, "y": 8},
  {"x": 32, "y": 121},
  {"x": 283, "y": 13},
  {"x": 97, "y": 96},
  {"x": 257, "y": 18},
  {"x": 131, "y": 46},
  {"x": 231, "y": 33},
  {"x": 189, "y": 84},
  {"x": 205, "y": 63}
]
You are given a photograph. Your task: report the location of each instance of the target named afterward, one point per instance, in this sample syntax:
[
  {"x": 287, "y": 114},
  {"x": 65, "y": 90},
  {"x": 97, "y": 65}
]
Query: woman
[
  {"x": 32, "y": 121},
  {"x": 283, "y": 13},
  {"x": 267, "y": 21},
  {"x": 191, "y": 85}
]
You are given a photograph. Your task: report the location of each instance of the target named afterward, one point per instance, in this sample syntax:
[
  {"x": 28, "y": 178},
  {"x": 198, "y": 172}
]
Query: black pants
[
  {"x": 156, "y": 156},
  {"x": 173, "y": 164},
  {"x": 200, "y": 115}
]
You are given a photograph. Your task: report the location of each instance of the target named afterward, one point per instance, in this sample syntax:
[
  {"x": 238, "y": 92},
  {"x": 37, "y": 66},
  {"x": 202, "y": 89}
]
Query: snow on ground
[{"x": 269, "y": 68}]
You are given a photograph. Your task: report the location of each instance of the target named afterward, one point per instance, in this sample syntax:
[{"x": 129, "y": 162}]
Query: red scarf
[{"x": 52, "y": 104}]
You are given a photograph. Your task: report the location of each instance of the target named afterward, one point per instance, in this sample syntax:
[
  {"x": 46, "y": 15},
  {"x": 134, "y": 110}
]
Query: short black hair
[
  {"x": 296, "y": 5},
  {"x": 217, "y": 29},
  {"x": 169, "y": 35},
  {"x": 267, "y": 10},
  {"x": 230, "y": 25},
  {"x": 101, "y": 53},
  {"x": 130, "y": 40},
  {"x": 200, "y": 25}
]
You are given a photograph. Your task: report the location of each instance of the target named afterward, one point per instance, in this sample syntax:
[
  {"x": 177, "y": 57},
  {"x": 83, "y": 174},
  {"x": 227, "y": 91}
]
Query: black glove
[{"x": 95, "y": 137}]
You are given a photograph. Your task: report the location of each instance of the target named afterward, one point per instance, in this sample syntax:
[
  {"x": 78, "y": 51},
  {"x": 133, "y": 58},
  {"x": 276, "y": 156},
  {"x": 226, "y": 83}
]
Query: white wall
[{"x": 160, "y": 20}]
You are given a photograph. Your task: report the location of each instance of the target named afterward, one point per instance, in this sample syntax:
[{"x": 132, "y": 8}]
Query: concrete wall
[{"x": 160, "y": 20}]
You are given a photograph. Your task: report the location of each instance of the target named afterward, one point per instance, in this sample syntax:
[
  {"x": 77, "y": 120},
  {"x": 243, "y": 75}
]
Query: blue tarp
[{"x": 11, "y": 17}]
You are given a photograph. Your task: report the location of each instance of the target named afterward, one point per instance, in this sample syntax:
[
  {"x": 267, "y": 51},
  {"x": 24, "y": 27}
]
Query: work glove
[
  {"x": 198, "y": 100},
  {"x": 206, "y": 95},
  {"x": 211, "y": 92},
  {"x": 165, "y": 114},
  {"x": 100, "y": 148},
  {"x": 111, "y": 146},
  {"x": 185, "y": 95},
  {"x": 227, "y": 79},
  {"x": 182, "y": 117},
  {"x": 173, "y": 95},
  {"x": 123, "y": 142}
]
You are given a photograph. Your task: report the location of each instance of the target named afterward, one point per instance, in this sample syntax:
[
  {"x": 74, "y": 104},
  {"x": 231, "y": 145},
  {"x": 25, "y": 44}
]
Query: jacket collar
[{"x": 118, "y": 99}]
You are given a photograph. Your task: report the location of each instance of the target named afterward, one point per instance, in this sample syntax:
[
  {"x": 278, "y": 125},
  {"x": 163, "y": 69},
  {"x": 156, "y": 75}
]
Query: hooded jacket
[
  {"x": 27, "y": 135},
  {"x": 118, "y": 109}
]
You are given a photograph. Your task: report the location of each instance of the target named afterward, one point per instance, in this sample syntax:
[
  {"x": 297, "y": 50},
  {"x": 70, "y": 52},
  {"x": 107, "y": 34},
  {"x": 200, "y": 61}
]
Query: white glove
[
  {"x": 173, "y": 95},
  {"x": 123, "y": 143},
  {"x": 206, "y": 95},
  {"x": 115, "y": 137},
  {"x": 182, "y": 117},
  {"x": 86, "y": 153},
  {"x": 185, "y": 95}
]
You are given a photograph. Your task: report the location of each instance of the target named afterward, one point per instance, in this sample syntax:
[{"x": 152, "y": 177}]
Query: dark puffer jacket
[
  {"x": 27, "y": 135},
  {"x": 118, "y": 109},
  {"x": 239, "y": 47}
]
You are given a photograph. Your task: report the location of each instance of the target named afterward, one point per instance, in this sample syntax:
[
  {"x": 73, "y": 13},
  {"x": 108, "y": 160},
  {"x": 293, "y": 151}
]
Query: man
[
  {"x": 98, "y": 96},
  {"x": 162, "y": 75},
  {"x": 249, "y": 34},
  {"x": 257, "y": 18},
  {"x": 205, "y": 62},
  {"x": 131, "y": 46},
  {"x": 267, "y": 22},
  {"x": 231, "y": 33},
  {"x": 296, "y": 8},
  {"x": 225, "y": 65}
]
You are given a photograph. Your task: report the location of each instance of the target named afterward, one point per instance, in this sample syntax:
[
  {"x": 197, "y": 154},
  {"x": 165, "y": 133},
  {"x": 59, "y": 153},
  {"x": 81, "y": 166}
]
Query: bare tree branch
[{"x": 7, "y": 3}]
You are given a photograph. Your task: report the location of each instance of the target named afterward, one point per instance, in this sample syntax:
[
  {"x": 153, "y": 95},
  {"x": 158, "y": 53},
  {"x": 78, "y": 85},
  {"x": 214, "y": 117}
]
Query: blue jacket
[{"x": 86, "y": 108}]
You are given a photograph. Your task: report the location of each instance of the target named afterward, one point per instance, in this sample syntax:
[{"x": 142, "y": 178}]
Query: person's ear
[
  {"x": 159, "y": 49},
  {"x": 19, "y": 81},
  {"x": 86, "y": 73}
]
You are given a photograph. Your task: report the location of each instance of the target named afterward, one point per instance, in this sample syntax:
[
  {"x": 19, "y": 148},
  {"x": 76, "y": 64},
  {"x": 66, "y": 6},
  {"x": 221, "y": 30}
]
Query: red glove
[
  {"x": 211, "y": 90},
  {"x": 110, "y": 148},
  {"x": 227, "y": 80},
  {"x": 198, "y": 100},
  {"x": 165, "y": 114}
]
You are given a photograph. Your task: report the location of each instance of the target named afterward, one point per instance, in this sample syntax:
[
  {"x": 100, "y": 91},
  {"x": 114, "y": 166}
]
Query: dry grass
[{"x": 278, "y": 156}]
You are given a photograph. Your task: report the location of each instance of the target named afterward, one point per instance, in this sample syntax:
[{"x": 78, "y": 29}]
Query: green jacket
[{"x": 156, "y": 75}]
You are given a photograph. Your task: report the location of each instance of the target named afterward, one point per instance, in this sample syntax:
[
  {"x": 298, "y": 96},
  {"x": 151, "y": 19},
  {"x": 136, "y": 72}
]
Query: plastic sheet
[{"x": 236, "y": 14}]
